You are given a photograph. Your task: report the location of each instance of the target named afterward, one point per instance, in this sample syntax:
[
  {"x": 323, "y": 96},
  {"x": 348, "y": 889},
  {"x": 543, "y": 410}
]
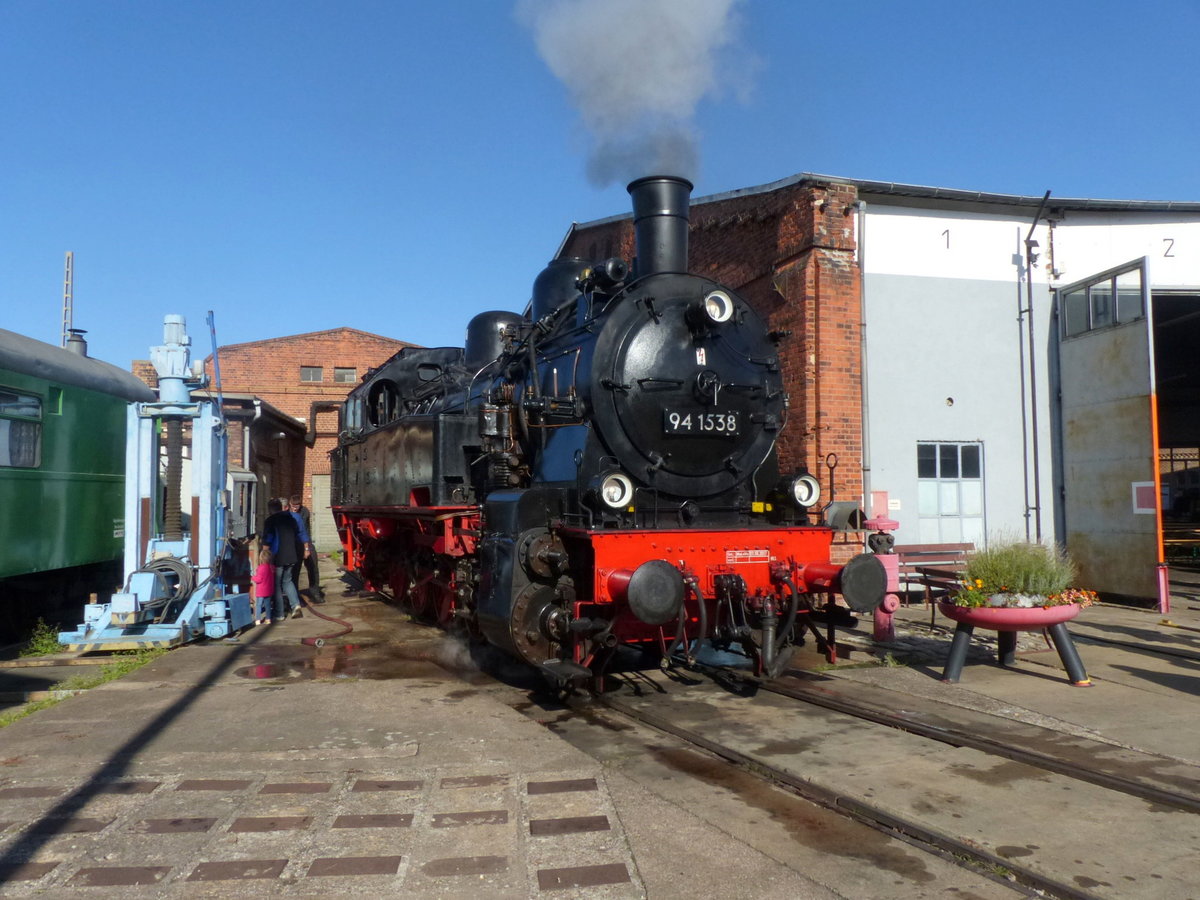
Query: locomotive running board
[{"x": 565, "y": 671}]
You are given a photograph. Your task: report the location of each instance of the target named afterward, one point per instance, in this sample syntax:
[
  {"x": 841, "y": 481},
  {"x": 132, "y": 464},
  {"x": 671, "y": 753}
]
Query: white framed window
[{"x": 950, "y": 507}]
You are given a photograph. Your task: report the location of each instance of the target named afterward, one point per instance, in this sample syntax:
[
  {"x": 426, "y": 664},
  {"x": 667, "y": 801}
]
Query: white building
[{"x": 1083, "y": 435}]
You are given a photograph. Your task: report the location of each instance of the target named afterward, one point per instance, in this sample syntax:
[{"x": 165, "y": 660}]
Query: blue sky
[{"x": 397, "y": 167}]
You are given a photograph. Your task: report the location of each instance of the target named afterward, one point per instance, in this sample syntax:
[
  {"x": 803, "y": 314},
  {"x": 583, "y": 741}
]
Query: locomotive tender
[{"x": 599, "y": 472}]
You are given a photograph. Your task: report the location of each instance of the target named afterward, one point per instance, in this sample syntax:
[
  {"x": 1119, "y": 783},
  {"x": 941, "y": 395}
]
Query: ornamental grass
[{"x": 1019, "y": 573}]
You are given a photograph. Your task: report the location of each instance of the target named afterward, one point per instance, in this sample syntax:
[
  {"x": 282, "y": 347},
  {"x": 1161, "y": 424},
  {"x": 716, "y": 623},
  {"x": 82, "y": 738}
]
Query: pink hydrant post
[{"x": 881, "y": 542}]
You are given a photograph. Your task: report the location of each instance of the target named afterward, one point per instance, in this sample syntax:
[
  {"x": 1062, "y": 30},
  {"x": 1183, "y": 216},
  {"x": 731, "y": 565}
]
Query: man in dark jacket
[
  {"x": 310, "y": 556},
  {"x": 281, "y": 532}
]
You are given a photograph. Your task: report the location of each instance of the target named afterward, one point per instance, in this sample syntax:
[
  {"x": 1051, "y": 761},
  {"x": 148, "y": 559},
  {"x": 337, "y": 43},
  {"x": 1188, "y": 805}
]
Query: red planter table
[{"x": 1007, "y": 621}]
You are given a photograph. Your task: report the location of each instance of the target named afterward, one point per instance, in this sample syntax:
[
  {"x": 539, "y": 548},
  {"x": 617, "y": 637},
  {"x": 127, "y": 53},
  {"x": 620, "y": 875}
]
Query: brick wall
[
  {"x": 791, "y": 254},
  {"x": 270, "y": 369},
  {"x": 144, "y": 369}
]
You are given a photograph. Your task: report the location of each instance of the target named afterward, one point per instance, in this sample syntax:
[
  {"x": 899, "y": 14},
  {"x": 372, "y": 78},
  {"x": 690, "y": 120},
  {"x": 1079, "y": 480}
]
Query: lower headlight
[
  {"x": 805, "y": 490},
  {"x": 616, "y": 490}
]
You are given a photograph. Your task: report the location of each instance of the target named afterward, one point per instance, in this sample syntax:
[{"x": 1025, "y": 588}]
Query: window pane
[
  {"x": 20, "y": 443},
  {"x": 930, "y": 533},
  {"x": 345, "y": 376},
  {"x": 951, "y": 531},
  {"x": 16, "y": 404},
  {"x": 971, "y": 493},
  {"x": 1129, "y": 296},
  {"x": 311, "y": 373},
  {"x": 948, "y": 457},
  {"x": 927, "y": 498},
  {"x": 926, "y": 461},
  {"x": 948, "y": 498},
  {"x": 970, "y": 461},
  {"x": 972, "y": 530},
  {"x": 1102, "y": 310},
  {"x": 1075, "y": 315}
]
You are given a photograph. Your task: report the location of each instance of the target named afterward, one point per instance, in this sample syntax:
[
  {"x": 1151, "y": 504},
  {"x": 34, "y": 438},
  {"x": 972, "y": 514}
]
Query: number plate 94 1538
[{"x": 709, "y": 422}]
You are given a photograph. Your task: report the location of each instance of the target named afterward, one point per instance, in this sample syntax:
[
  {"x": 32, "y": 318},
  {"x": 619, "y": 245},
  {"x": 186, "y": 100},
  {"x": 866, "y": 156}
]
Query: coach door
[{"x": 1106, "y": 466}]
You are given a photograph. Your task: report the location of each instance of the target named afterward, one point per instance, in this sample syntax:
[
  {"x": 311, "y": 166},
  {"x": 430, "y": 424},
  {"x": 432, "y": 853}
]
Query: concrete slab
[
  {"x": 264, "y": 766},
  {"x": 366, "y": 767}
]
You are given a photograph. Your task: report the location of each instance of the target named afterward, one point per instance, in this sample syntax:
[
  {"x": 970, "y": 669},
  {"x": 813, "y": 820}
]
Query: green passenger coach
[{"x": 62, "y": 476}]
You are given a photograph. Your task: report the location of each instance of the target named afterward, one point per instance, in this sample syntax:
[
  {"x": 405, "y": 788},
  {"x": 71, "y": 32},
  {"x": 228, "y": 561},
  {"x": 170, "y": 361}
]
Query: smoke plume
[{"x": 636, "y": 70}]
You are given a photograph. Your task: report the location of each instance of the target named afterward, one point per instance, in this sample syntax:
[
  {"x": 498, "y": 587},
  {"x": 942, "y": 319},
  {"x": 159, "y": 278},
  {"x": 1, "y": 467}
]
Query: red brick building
[
  {"x": 306, "y": 376},
  {"x": 790, "y": 251}
]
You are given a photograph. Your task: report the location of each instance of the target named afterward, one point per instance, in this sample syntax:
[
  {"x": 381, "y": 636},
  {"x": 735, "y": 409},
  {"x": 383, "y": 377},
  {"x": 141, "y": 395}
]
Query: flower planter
[
  {"x": 1007, "y": 621},
  {"x": 1009, "y": 618}
]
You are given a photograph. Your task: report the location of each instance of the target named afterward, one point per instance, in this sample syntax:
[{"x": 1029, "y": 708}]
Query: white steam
[{"x": 636, "y": 70}]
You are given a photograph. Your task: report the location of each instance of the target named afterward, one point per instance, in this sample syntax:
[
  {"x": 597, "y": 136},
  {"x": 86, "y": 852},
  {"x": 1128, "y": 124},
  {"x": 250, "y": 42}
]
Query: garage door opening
[{"x": 1177, "y": 374}]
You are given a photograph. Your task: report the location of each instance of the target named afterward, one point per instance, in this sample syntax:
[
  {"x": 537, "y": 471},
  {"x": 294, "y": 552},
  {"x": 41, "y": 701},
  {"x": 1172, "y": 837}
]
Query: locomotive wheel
[
  {"x": 422, "y": 599},
  {"x": 444, "y": 609},
  {"x": 399, "y": 581}
]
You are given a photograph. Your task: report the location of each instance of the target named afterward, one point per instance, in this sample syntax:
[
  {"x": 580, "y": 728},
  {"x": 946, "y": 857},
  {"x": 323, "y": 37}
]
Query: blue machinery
[{"x": 174, "y": 590}]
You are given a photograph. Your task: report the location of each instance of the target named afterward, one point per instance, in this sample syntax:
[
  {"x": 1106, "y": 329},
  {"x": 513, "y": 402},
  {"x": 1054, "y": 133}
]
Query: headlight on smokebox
[
  {"x": 615, "y": 490},
  {"x": 716, "y": 308}
]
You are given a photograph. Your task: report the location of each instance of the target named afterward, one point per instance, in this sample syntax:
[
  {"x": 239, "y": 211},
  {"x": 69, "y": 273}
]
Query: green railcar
[{"x": 62, "y": 476}]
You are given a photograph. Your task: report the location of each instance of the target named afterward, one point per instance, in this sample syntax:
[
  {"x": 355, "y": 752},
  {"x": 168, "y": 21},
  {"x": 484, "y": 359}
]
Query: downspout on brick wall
[{"x": 861, "y": 252}]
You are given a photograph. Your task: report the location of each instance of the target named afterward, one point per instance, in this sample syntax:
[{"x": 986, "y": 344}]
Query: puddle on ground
[
  {"x": 357, "y": 661},
  {"x": 438, "y": 661}
]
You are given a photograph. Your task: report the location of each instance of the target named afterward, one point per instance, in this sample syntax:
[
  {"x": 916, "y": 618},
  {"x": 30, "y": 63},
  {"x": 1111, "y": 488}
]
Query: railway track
[
  {"x": 940, "y": 780},
  {"x": 1164, "y": 781}
]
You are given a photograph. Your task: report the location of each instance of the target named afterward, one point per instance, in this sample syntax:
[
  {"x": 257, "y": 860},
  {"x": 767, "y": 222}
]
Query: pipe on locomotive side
[{"x": 660, "y": 223}]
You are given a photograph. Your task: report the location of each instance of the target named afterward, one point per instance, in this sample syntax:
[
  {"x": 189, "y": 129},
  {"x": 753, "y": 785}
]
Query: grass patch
[
  {"x": 42, "y": 642},
  {"x": 122, "y": 664}
]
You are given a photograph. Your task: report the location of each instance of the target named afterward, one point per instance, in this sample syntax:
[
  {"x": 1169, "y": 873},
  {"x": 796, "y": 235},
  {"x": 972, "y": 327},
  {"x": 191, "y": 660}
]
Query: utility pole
[{"x": 68, "y": 296}]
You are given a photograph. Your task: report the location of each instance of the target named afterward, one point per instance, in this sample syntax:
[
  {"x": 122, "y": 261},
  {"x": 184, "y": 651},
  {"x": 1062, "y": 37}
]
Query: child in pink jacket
[{"x": 264, "y": 587}]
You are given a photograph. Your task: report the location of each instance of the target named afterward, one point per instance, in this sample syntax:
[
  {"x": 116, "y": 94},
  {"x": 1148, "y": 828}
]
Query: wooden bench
[{"x": 937, "y": 568}]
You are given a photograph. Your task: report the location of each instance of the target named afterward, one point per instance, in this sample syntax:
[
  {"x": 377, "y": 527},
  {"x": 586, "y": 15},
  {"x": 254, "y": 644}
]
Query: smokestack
[
  {"x": 660, "y": 223},
  {"x": 76, "y": 342}
]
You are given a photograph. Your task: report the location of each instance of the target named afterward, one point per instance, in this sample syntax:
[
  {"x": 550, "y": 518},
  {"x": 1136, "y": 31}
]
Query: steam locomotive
[{"x": 598, "y": 472}]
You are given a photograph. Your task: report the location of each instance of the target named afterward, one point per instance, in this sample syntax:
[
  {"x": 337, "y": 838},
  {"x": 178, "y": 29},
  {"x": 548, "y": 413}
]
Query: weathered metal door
[{"x": 1110, "y": 517}]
